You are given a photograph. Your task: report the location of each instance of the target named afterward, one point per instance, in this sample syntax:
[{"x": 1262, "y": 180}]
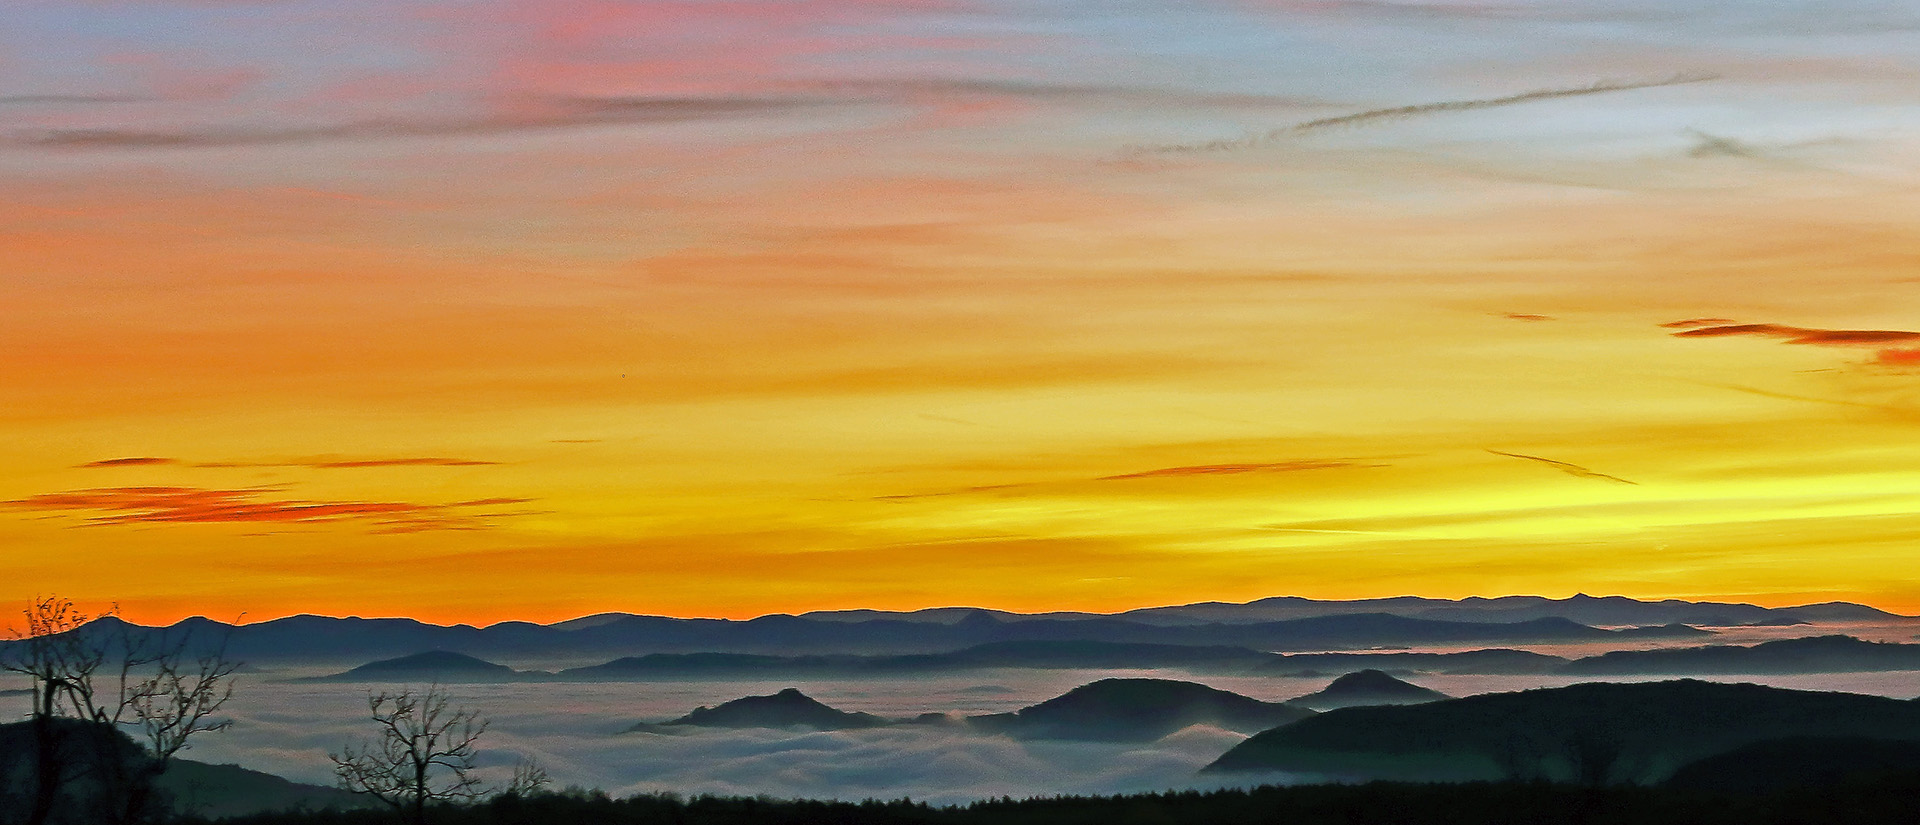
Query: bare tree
[
  {"x": 424, "y": 754},
  {"x": 96, "y": 678},
  {"x": 51, "y": 654},
  {"x": 528, "y": 778}
]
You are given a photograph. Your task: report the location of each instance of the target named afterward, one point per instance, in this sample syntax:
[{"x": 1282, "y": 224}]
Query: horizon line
[{"x": 241, "y": 622}]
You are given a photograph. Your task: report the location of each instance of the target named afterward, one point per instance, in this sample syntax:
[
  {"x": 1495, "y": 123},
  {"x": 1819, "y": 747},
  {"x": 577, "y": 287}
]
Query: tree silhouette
[
  {"x": 424, "y": 753},
  {"x": 95, "y": 679}
]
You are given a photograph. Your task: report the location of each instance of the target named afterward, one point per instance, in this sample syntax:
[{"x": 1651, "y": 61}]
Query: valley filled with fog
[{"x": 575, "y": 731}]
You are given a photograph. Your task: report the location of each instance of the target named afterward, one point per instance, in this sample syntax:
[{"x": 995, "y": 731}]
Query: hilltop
[
  {"x": 1137, "y": 710},
  {"x": 1592, "y": 733},
  {"x": 430, "y": 666},
  {"x": 787, "y": 709},
  {"x": 1367, "y": 687},
  {"x": 1814, "y": 654}
]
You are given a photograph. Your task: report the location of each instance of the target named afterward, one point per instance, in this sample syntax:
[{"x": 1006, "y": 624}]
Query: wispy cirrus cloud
[
  {"x": 523, "y": 113},
  {"x": 1571, "y": 469},
  {"x": 543, "y": 114},
  {"x": 199, "y": 505},
  {"x": 354, "y": 463},
  {"x": 62, "y": 99},
  {"x": 1393, "y": 113},
  {"x": 1694, "y": 323},
  {"x": 1160, "y": 97},
  {"x": 1236, "y": 469},
  {"x": 136, "y": 461},
  {"x": 1185, "y": 471},
  {"x": 325, "y": 463},
  {"x": 1899, "y": 357},
  {"x": 1896, "y": 346},
  {"x": 1799, "y": 335}
]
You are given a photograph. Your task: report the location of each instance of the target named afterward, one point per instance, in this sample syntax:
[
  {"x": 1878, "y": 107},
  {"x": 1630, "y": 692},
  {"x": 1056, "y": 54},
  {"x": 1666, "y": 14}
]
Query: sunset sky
[{"x": 473, "y": 310}]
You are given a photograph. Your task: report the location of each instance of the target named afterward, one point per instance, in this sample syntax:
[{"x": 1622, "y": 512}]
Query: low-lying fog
[{"x": 573, "y": 730}]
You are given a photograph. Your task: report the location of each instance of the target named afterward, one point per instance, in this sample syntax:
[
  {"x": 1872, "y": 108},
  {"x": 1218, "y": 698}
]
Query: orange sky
[{"x": 533, "y": 310}]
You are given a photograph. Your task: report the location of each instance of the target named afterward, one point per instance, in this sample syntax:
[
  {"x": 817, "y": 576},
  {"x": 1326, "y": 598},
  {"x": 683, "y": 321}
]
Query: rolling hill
[
  {"x": 787, "y": 709},
  {"x": 1815, "y": 654},
  {"x": 1591, "y": 733},
  {"x": 1366, "y": 687},
  {"x": 1136, "y": 710}
]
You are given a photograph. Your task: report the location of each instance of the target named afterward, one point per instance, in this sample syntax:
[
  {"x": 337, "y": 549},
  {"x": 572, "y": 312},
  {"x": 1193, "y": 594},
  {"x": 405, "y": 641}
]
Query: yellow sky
[{"x": 863, "y": 326}]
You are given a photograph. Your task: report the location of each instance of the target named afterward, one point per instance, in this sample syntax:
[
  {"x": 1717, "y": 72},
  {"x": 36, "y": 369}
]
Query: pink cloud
[
  {"x": 140, "y": 461},
  {"x": 196, "y": 505},
  {"x": 1800, "y": 335}
]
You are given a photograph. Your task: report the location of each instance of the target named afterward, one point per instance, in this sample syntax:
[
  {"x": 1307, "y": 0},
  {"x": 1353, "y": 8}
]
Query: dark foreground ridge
[
  {"x": 186, "y": 786},
  {"x": 1887, "y": 799},
  {"x": 1596, "y": 733}
]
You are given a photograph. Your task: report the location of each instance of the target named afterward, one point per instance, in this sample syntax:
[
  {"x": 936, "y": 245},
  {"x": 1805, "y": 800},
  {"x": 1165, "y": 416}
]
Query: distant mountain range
[
  {"x": 313, "y": 638},
  {"x": 1593, "y": 733},
  {"x": 1604, "y": 611},
  {"x": 1819, "y": 654},
  {"x": 1278, "y": 624},
  {"x": 1061, "y": 655}
]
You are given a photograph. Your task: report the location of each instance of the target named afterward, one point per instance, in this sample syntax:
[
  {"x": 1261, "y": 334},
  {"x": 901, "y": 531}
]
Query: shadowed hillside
[
  {"x": 787, "y": 709},
  {"x": 1590, "y": 733},
  {"x": 1806, "y": 761},
  {"x": 1815, "y": 654},
  {"x": 431, "y": 666},
  {"x": 1137, "y": 710},
  {"x": 187, "y": 787},
  {"x": 1888, "y": 801},
  {"x": 1367, "y": 687}
]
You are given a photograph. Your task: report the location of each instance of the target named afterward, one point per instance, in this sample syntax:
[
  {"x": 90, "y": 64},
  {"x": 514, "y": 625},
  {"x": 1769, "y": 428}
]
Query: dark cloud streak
[
  {"x": 70, "y": 99},
  {"x": 139, "y": 461},
  {"x": 198, "y": 505},
  {"x": 1236, "y": 469},
  {"x": 1188, "y": 471},
  {"x": 1796, "y": 335},
  {"x": 1372, "y": 116},
  {"x": 546, "y": 115},
  {"x": 881, "y": 90},
  {"x": 1574, "y": 470}
]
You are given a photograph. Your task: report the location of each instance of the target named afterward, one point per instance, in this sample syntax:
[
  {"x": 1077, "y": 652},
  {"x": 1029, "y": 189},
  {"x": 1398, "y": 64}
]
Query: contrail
[
  {"x": 1574, "y": 470},
  {"x": 1399, "y": 112}
]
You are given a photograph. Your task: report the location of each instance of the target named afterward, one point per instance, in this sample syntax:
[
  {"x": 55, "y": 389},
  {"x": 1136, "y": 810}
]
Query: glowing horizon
[{"x": 484, "y": 310}]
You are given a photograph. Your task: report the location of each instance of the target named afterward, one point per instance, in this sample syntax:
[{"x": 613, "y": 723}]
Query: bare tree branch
[{"x": 424, "y": 753}]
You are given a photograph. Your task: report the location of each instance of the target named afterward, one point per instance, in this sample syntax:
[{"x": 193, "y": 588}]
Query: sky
[{"x": 476, "y": 310}]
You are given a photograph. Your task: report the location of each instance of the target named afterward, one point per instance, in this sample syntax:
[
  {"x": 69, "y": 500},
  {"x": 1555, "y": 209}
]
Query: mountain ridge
[{"x": 325, "y": 639}]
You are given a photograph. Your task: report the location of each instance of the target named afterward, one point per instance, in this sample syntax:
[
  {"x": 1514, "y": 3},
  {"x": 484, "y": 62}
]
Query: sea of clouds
[{"x": 577, "y": 733}]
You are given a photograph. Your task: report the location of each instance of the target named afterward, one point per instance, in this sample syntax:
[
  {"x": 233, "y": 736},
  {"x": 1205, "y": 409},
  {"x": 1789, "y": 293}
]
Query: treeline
[{"x": 1887, "y": 799}]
